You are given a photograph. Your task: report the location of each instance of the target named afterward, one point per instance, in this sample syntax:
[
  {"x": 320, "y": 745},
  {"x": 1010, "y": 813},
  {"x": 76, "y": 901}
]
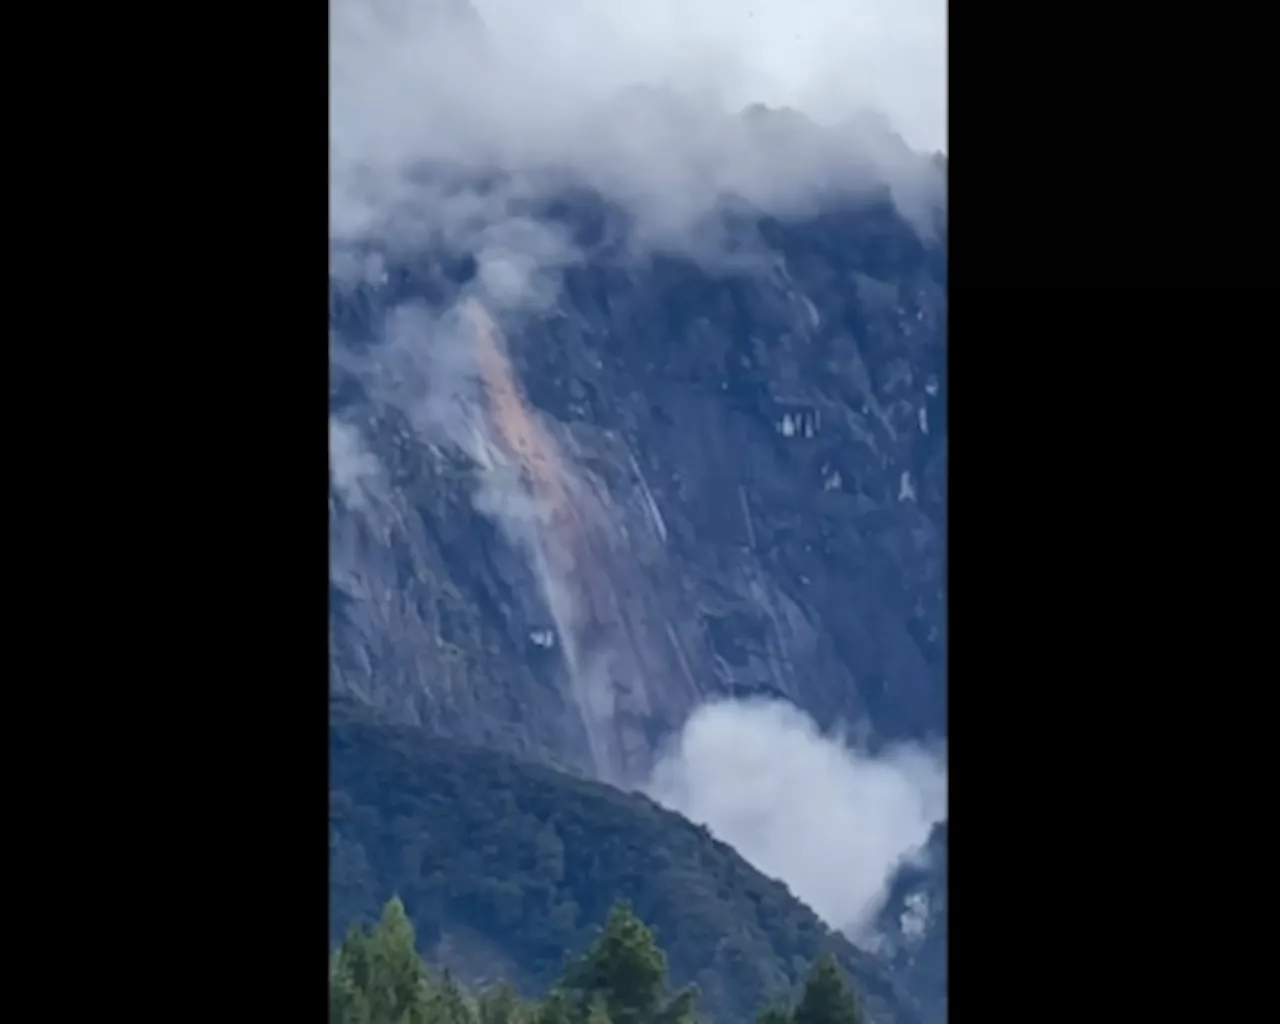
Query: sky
[{"x": 826, "y": 57}]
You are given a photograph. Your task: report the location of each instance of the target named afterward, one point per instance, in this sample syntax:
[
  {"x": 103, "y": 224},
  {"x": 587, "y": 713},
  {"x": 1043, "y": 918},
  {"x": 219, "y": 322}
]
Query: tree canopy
[{"x": 377, "y": 977}]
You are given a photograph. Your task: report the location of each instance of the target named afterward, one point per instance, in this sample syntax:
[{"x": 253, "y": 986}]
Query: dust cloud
[{"x": 833, "y": 821}]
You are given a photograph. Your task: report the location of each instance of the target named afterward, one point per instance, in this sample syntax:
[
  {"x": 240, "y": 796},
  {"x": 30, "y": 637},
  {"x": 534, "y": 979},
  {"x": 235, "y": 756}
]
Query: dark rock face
[
  {"x": 768, "y": 447},
  {"x": 914, "y": 924},
  {"x": 735, "y": 486}
]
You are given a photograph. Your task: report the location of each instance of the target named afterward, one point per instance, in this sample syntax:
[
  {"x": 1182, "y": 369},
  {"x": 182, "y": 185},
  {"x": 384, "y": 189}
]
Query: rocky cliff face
[
  {"x": 589, "y": 471},
  {"x": 556, "y": 529},
  {"x": 914, "y": 929}
]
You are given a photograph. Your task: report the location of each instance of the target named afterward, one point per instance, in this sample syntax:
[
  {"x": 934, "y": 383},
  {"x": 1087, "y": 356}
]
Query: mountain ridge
[{"x": 439, "y": 824}]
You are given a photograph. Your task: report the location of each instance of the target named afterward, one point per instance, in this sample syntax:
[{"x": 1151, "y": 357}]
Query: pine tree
[
  {"x": 347, "y": 1001},
  {"x": 683, "y": 1009},
  {"x": 597, "y": 1013},
  {"x": 500, "y": 1006},
  {"x": 827, "y": 998},
  {"x": 555, "y": 1009},
  {"x": 398, "y": 982},
  {"x": 625, "y": 968},
  {"x": 446, "y": 1003},
  {"x": 378, "y": 978},
  {"x": 349, "y": 980},
  {"x": 626, "y": 971}
]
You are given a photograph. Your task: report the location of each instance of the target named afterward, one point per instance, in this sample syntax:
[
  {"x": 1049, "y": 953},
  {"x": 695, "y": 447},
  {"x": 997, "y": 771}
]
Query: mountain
[
  {"x": 506, "y": 868},
  {"x": 599, "y": 456},
  {"x": 750, "y": 468}
]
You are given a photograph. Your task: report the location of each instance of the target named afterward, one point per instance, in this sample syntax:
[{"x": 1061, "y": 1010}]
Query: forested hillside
[{"x": 506, "y": 867}]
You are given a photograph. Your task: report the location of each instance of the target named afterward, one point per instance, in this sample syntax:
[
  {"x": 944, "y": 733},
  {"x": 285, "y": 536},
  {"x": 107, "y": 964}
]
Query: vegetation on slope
[
  {"x": 377, "y": 977},
  {"x": 528, "y": 860}
]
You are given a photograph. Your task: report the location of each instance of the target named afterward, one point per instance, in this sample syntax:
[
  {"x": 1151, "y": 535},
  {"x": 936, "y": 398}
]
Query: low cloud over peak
[{"x": 642, "y": 101}]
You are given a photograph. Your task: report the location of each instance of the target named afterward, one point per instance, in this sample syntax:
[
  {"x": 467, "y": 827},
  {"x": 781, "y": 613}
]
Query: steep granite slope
[
  {"x": 914, "y": 929},
  {"x": 589, "y": 471},
  {"x": 562, "y": 527}
]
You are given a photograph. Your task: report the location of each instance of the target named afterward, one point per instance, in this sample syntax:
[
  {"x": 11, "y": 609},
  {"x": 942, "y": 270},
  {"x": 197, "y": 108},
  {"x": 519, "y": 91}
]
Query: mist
[
  {"x": 352, "y": 467},
  {"x": 449, "y": 119},
  {"x": 831, "y": 820},
  {"x": 829, "y": 58},
  {"x": 640, "y": 101}
]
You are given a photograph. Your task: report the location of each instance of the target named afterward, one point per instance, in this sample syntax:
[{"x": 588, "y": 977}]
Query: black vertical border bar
[
  {"x": 217, "y": 772},
  {"x": 1046, "y": 268}
]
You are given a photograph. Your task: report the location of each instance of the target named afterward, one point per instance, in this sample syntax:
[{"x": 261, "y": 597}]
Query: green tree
[
  {"x": 378, "y": 978},
  {"x": 597, "y": 1014},
  {"x": 625, "y": 972},
  {"x": 555, "y": 1009},
  {"x": 349, "y": 981},
  {"x": 348, "y": 1003},
  {"x": 827, "y": 998},
  {"x": 446, "y": 1003},
  {"x": 500, "y": 1006},
  {"x": 683, "y": 1009}
]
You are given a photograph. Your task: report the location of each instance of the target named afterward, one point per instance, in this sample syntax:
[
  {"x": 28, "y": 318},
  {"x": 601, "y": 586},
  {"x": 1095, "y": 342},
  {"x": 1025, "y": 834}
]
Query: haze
[{"x": 829, "y": 58}]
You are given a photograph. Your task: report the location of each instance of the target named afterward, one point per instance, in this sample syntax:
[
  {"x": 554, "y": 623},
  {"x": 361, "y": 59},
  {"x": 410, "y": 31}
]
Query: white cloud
[
  {"x": 833, "y": 822},
  {"x": 353, "y": 469},
  {"x": 543, "y": 85},
  {"x": 826, "y": 57}
]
